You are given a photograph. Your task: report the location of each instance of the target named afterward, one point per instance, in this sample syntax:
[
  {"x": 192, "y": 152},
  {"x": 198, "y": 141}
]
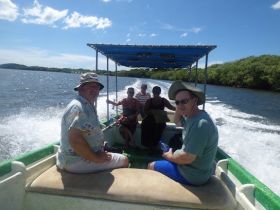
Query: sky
[{"x": 54, "y": 33}]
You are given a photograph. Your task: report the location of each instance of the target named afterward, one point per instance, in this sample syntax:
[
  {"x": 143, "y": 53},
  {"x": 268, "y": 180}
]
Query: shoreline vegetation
[{"x": 262, "y": 72}]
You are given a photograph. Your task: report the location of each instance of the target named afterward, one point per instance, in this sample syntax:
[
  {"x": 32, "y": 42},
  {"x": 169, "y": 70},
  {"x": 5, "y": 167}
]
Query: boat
[{"x": 33, "y": 182}]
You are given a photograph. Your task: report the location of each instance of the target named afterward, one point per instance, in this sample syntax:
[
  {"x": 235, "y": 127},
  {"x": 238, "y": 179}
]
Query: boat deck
[{"x": 126, "y": 185}]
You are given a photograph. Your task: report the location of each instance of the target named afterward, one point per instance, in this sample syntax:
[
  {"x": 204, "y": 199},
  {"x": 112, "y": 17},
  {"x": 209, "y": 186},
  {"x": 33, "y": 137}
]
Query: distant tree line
[
  {"x": 40, "y": 68},
  {"x": 262, "y": 72}
]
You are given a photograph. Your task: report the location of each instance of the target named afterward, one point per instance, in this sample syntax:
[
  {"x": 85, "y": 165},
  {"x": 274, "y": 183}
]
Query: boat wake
[
  {"x": 250, "y": 141},
  {"x": 30, "y": 129}
]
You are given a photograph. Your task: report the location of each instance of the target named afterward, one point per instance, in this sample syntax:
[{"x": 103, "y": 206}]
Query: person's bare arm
[
  {"x": 168, "y": 105},
  {"x": 82, "y": 148},
  {"x": 114, "y": 103},
  {"x": 180, "y": 157},
  {"x": 138, "y": 107}
]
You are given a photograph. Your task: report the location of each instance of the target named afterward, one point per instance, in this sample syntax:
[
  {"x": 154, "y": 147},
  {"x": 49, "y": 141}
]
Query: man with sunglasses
[{"x": 192, "y": 164}]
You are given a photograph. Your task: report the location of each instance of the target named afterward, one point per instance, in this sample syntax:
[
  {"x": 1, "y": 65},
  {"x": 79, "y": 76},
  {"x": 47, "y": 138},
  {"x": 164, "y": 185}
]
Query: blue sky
[{"x": 54, "y": 33}]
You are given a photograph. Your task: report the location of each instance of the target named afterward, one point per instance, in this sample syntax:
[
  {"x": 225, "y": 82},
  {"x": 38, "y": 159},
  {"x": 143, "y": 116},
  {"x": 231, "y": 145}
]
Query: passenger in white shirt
[{"x": 142, "y": 97}]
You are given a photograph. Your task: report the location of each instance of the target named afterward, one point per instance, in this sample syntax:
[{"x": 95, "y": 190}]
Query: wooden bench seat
[{"x": 134, "y": 186}]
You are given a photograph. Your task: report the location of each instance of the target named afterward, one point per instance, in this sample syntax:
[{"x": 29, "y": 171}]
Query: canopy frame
[{"x": 154, "y": 56}]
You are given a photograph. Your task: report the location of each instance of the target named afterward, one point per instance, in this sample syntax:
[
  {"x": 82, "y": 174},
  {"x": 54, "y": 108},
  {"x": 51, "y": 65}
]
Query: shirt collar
[
  {"x": 85, "y": 101},
  {"x": 82, "y": 99}
]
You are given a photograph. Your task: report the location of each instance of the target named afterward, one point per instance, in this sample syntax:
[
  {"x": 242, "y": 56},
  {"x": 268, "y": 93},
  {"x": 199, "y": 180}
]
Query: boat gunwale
[{"x": 27, "y": 158}]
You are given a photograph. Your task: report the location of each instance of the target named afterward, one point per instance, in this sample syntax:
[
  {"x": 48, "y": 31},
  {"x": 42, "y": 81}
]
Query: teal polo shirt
[{"x": 200, "y": 138}]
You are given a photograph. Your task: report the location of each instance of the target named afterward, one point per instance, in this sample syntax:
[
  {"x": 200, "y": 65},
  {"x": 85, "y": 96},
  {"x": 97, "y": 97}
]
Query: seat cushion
[{"x": 134, "y": 185}]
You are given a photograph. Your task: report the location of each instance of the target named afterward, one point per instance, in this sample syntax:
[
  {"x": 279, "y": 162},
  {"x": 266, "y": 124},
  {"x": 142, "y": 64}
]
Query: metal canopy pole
[
  {"x": 205, "y": 77},
  {"x": 96, "y": 61},
  {"x": 196, "y": 65},
  {"x": 190, "y": 73},
  {"x": 116, "y": 76},
  {"x": 107, "y": 88},
  {"x": 96, "y": 68}
]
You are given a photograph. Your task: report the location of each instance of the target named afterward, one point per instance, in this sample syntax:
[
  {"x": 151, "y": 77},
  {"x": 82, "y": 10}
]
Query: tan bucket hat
[
  {"x": 88, "y": 77},
  {"x": 180, "y": 85}
]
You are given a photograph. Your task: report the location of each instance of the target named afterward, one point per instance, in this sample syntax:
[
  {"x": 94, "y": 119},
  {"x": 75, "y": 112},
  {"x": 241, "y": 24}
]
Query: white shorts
[{"x": 83, "y": 166}]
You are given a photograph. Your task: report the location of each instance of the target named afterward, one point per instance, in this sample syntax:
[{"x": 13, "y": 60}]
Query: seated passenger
[
  {"x": 193, "y": 163},
  {"x": 128, "y": 120},
  {"x": 155, "y": 121},
  {"x": 82, "y": 140}
]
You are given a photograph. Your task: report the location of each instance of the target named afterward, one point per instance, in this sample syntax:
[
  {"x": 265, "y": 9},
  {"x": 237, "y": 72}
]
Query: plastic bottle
[{"x": 164, "y": 147}]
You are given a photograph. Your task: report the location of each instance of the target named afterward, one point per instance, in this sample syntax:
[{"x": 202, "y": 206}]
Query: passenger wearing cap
[
  {"x": 192, "y": 164},
  {"x": 82, "y": 140}
]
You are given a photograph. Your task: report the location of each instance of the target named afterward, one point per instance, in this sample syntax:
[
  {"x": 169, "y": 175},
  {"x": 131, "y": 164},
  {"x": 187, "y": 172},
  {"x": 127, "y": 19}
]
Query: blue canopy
[{"x": 154, "y": 56}]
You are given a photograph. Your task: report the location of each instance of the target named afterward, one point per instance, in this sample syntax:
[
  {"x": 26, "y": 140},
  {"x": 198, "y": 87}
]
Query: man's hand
[
  {"x": 102, "y": 157},
  {"x": 179, "y": 157},
  {"x": 82, "y": 148},
  {"x": 168, "y": 155}
]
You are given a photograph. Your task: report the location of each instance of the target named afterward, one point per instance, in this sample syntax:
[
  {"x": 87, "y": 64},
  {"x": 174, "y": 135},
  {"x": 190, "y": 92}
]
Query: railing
[
  {"x": 27, "y": 158},
  {"x": 267, "y": 198}
]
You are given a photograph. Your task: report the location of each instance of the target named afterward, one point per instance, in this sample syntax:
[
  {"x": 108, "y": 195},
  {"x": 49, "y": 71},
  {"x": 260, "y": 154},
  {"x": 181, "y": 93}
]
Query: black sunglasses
[{"x": 183, "y": 101}]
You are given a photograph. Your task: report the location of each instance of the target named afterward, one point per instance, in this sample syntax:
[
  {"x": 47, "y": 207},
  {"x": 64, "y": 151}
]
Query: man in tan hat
[
  {"x": 82, "y": 140},
  {"x": 193, "y": 162}
]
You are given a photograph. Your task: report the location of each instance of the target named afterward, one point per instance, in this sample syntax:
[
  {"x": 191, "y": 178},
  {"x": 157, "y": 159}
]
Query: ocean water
[{"x": 32, "y": 104}]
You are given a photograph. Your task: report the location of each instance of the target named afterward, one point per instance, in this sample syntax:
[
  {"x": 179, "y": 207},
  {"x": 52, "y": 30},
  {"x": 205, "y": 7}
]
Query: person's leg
[
  {"x": 159, "y": 128},
  {"x": 168, "y": 169},
  {"x": 147, "y": 131},
  {"x": 128, "y": 136},
  {"x": 84, "y": 166},
  {"x": 132, "y": 129},
  {"x": 144, "y": 132},
  {"x": 142, "y": 113},
  {"x": 125, "y": 135},
  {"x": 151, "y": 166}
]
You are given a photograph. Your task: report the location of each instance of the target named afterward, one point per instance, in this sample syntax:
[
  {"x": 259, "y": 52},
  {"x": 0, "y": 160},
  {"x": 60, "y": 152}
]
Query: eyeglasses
[
  {"x": 183, "y": 101},
  {"x": 130, "y": 92}
]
